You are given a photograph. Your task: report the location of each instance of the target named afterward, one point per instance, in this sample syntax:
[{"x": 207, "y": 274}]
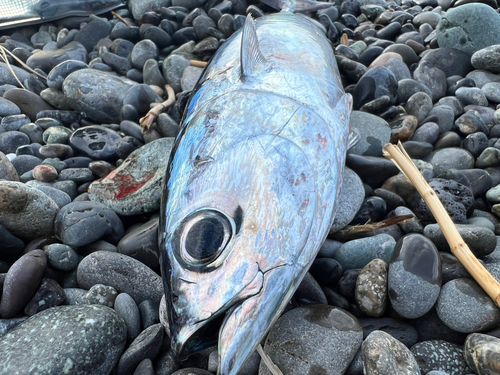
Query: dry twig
[
  {"x": 457, "y": 245},
  {"x": 353, "y": 231},
  {"x": 198, "y": 64},
  {"x": 268, "y": 362},
  {"x": 120, "y": 18},
  {"x": 153, "y": 113}
]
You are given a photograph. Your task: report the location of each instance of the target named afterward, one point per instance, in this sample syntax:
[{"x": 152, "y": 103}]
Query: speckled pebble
[
  {"x": 100, "y": 294},
  {"x": 371, "y": 288},
  {"x": 440, "y": 355}
]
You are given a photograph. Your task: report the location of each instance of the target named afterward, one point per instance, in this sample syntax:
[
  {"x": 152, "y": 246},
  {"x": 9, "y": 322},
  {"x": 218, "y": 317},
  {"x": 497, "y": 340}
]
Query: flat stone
[
  {"x": 123, "y": 273},
  {"x": 317, "y": 339},
  {"x": 136, "y": 185},
  {"x": 83, "y": 340}
]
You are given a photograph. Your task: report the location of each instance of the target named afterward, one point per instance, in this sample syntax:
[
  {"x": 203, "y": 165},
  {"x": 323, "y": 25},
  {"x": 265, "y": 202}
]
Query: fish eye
[{"x": 203, "y": 236}]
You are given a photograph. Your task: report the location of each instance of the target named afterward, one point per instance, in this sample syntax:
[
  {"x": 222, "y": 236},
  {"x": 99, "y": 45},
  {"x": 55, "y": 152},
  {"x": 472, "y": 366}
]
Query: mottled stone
[
  {"x": 440, "y": 355},
  {"x": 371, "y": 288},
  {"x": 382, "y": 354},
  {"x": 317, "y": 339},
  {"x": 48, "y": 295},
  {"x": 81, "y": 340},
  {"x": 123, "y": 273},
  {"x": 136, "y": 185},
  {"x": 482, "y": 353}
]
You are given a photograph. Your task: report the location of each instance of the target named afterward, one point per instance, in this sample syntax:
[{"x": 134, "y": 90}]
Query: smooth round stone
[
  {"x": 350, "y": 200},
  {"x": 450, "y": 158},
  {"x": 407, "y": 87},
  {"x": 141, "y": 243},
  {"x": 11, "y": 140},
  {"x": 6, "y": 76},
  {"x": 74, "y": 296},
  {"x": 371, "y": 288},
  {"x": 56, "y": 134},
  {"x": 481, "y": 241},
  {"x": 25, "y": 163},
  {"x": 68, "y": 187},
  {"x": 192, "y": 371},
  {"x": 445, "y": 117},
  {"x": 140, "y": 96},
  {"x": 173, "y": 66},
  {"x": 91, "y": 33},
  {"x": 146, "y": 345},
  {"x": 471, "y": 122},
  {"x": 46, "y": 60},
  {"x": 419, "y": 105},
  {"x": 326, "y": 271},
  {"x": 375, "y": 170},
  {"x": 432, "y": 77},
  {"x": 490, "y": 157},
  {"x": 59, "y": 73},
  {"x": 487, "y": 58},
  {"x": 136, "y": 185},
  {"x": 471, "y": 95},
  {"x": 21, "y": 282},
  {"x": 157, "y": 35},
  {"x": 309, "y": 292},
  {"x": 100, "y": 294},
  {"x": 123, "y": 273},
  {"x": 358, "y": 253},
  {"x": 126, "y": 307},
  {"x": 44, "y": 173},
  {"x": 101, "y": 168},
  {"x": 439, "y": 355},
  {"x": 96, "y": 142},
  {"x": 469, "y": 28},
  {"x": 7, "y": 170},
  {"x": 143, "y": 51},
  {"x": 12, "y": 247},
  {"x": 48, "y": 295},
  {"x": 152, "y": 74},
  {"x": 97, "y": 94},
  {"x": 56, "y": 150},
  {"x": 456, "y": 199},
  {"x": 475, "y": 143},
  {"x": 464, "y": 307},
  {"x": 78, "y": 175},
  {"x": 80, "y": 223},
  {"x": 373, "y": 84},
  {"x": 318, "y": 339},
  {"x": 481, "y": 353},
  {"x": 382, "y": 354},
  {"x": 410, "y": 226},
  {"x": 374, "y": 133},
  {"x": 492, "y": 91},
  {"x": 13, "y": 122},
  {"x": 397, "y": 67},
  {"x": 33, "y": 131},
  {"x": 84, "y": 340},
  {"x": 391, "y": 199},
  {"x": 190, "y": 77},
  {"x": 26, "y": 212},
  {"x": 167, "y": 125},
  {"x": 61, "y": 257},
  {"x": 373, "y": 209},
  {"x": 414, "y": 278},
  {"x": 145, "y": 368}
]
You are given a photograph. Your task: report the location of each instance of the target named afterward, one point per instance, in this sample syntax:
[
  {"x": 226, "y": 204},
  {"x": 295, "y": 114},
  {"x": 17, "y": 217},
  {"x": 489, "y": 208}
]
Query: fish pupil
[{"x": 205, "y": 238}]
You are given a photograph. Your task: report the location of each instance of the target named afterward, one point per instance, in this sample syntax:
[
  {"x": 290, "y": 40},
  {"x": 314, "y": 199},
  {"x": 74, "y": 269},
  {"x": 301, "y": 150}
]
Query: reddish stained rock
[{"x": 136, "y": 186}]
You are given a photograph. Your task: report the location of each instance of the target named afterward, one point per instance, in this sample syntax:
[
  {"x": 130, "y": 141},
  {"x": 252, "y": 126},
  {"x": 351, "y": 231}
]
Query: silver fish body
[{"x": 253, "y": 184}]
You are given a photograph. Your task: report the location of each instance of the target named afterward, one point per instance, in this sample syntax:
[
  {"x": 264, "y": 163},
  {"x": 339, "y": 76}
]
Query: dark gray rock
[
  {"x": 441, "y": 356},
  {"x": 313, "y": 339},
  {"x": 358, "y": 253},
  {"x": 61, "y": 257},
  {"x": 59, "y": 73},
  {"x": 481, "y": 352},
  {"x": 80, "y": 223},
  {"x": 48, "y": 59},
  {"x": 97, "y": 142},
  {"x": 100, "y": 294},
  {"x": 93, "y": 351},
  {"x": 124, "y": 273},
  {"x": 126, "y": 307},
  {"x": 48, "y": 295}
]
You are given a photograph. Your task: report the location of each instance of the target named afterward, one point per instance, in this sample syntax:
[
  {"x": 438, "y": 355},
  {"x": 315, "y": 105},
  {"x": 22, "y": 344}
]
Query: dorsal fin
[
  {"x": 297, "y": 5},
  {"x": 252, "y": 60}
]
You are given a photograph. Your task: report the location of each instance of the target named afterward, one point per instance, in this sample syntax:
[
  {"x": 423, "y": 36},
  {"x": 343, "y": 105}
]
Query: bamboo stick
[
  {"x": 198, "y": 64},
  {"x": 457, "y": 245}
]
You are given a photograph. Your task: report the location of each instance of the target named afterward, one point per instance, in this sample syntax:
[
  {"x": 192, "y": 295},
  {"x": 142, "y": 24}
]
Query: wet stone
[
  {"x": 481, "y": 353},
  {"x": 59, "y": 73},
  {"x": 371, "y": 288},
  {"x": 136, "y": 186},
  {"x": 336, "y": 337},
  {"x": 124, "y": 273},
  {"x": 97, "y": 142},
  {"x": 382, "y": 354},
  {"x": 465, "y": 307},
  {"x": 56, "y": 150},
  {"x": 358, "y": 253},
  {"x": 48, "y": 295},
  {"x": 94, "y": 350},
  {"x": 44, "y": 173},
  {"x": 46, "y": 60},
  {"x": 441, "y": 356},
  {"x": 149, "y": 311},
  {"x": 100, "y": 295},
  {"x": 414, "y": 279},
  {"x": 375, "y": 83},
  {"x": 374, "y": 133},
  {"x": 21, "y": 282}
]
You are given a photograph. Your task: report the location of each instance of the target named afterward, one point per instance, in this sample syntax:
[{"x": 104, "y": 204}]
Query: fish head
[{"x": 238, "y": 210}]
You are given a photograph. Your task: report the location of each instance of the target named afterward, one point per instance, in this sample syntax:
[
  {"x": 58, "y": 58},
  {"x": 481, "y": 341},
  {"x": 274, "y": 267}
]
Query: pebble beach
[{"x": 81, "y": 185}]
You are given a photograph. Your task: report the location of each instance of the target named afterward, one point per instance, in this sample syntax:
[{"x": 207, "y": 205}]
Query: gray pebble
[{"x": 126, "y": 307}]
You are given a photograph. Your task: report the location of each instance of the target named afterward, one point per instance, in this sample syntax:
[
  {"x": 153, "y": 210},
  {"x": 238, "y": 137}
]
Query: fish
[{"x": 253, "y": 182}]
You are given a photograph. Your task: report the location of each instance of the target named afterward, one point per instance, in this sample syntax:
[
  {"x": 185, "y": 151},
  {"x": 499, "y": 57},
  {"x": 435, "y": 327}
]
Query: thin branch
[
  {"x": 120, "y": 18},
  {"x": 198, "y": 64},
  {"x": 268, "y": 362},
  {"x": 154, "y": 112},
  {"x": 353, "y": 231},
  {"x": 458, "y": 247}
]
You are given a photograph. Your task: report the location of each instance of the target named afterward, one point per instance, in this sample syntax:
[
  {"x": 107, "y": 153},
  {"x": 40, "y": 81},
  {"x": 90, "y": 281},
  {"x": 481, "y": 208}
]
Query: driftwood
[{"x": 154, "y": 112}]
